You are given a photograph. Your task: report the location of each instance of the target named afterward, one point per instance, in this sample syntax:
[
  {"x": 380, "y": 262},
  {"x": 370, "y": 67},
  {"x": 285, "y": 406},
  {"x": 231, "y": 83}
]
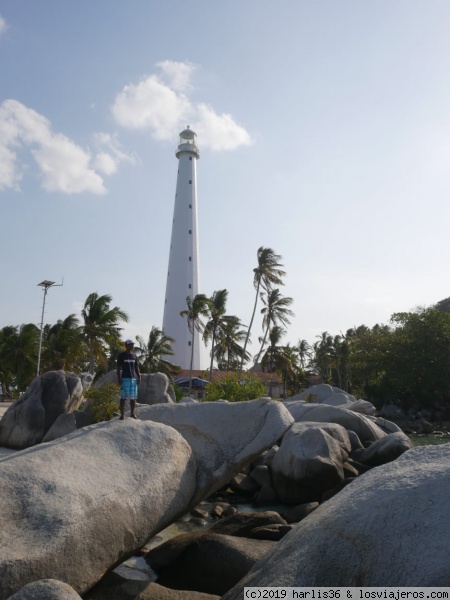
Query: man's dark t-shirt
[{"x": 127, "y": 361}]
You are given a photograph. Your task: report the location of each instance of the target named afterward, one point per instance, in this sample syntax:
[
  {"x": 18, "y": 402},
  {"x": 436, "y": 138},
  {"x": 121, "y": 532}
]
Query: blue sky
[{"x": 324, "y": 132}]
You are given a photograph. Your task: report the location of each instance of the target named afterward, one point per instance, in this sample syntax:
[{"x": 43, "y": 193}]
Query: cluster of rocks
[
  {"x": 154, "y": 388},
  {"x": 50, "y": 407},
  {"x": 328, "y": 446},
  {"x": 79, "y": 505},
  {"x": 79, "y": 500},
  {"x": 388, "y": 529}
]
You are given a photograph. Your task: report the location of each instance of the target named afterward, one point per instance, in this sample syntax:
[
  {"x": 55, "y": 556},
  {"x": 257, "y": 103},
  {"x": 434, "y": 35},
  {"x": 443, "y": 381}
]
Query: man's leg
[
  {"x": 122, "y": 408},
  {"x": 132, "y": 407}
]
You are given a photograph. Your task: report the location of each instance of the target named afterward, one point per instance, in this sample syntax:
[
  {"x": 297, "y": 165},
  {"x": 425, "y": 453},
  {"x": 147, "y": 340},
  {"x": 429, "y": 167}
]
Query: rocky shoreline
[{"x": 83, "y": 505}]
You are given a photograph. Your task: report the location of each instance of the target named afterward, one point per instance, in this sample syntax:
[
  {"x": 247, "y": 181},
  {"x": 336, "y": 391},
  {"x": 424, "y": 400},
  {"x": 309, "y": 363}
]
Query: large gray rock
[
  {"x": 310, "y": 461},
  {"x": 64, "y": 424},
  {"x": 316, "y": 393},
  {"x": 110, "y": 377},
  {"x": 154, "y": 388},
  {"x": 74, "y": 508},
  {"x": 205, "y": 562},
  {"x": 244, "y": 524},
  {"x": 46, "y": 589},
  {"x": 155, "y": 591},
  {"x": 362, "y": 406},
  {"x": 117, "y": 587},
  {"x": 224, "y": 435},
  {"x": 333, "y": 396},
  {"x": 385, "y": 425},
  {"x": 363, "y": 426},
  {"x": 27, "y": 421},
  {"x": 87, "y": 380},
  {"x": 385, "y": 450},
  {"x": 371, "y": 534}
]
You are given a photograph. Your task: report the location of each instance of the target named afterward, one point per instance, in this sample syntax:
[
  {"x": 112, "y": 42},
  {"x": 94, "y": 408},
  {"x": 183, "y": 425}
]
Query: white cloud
[
  {"x": 152, "y": 104},
  {"x": 3, "y": 25},
  {"x": 9, "y": 139},
  {"x": 64, "y": 166},
  {"x": 9, "y": 173},
  {"x": 105, "y": 163},
  {"x": 110, "y": 154},
  {"x": 178, "y": 73},
  {"x": 219, "y": 132},
  {"x": 160, "y": 103}
]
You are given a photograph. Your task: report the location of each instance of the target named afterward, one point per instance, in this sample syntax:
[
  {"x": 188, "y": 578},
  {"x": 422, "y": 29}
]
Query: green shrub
[
  {"x": 236, "y": 388},
  {"x": 103, "y": 402},
  {"x": 179, "y": 392}
]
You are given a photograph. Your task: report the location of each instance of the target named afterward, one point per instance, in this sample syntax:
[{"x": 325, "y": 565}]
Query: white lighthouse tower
[{"x": 183, "y": 275}]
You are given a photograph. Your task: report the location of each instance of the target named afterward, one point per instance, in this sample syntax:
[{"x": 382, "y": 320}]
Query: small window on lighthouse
[
  {"x": 190, "y": 230},
  {"x": 190, "y": 205},
  {"x": 190, "y": 158},
  {"x": 190, "y": 286},
  {"x": 189, "y": 343},
  {"x": 190, "y": 180},
  {"x": 190, "y": 258}
]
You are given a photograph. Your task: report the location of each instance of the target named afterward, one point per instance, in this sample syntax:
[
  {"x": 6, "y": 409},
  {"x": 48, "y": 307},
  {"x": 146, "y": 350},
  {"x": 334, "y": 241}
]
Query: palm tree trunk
[
  {"x": 249, "y": 328},
  {"x": 91, "y": 359},
  {"x": 262, "y": 345},
  {"x": 339, "y": 374},
  {"x": 192, "y": 361},
  {"x": 5, "y": 389},
  {"x": 213, "y": 341}
]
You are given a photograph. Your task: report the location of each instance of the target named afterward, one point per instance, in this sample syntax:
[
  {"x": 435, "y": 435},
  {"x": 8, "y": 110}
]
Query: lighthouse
[{"x": 183, "y": 271}]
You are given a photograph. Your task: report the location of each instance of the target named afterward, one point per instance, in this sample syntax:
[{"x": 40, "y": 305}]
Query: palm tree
[
  {"x": 275, "y": 311},
  {"x": 276, "y": 358},
  {"x": 228, "y": 350},
  {"x": 304, "y": 351},
  {"x": 6, "y": 375},
  {"x": 266, "y": 274},
  {"x": 217, "y": 311},
  {"x": 101, "y": 326},
  {"x": 297, "y": 379},
  {"x": 64, "y": 346},
  {"x": 197, "y": 308},
  {"x": 18, "y": 355},
  {"x": 151, "y": 353},
  {"x": 112, "y": 351},
  {"x": 324, "y": 355}
]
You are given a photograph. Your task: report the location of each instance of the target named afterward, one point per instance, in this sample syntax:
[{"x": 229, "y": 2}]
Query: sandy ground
[
  {"x": 5, "y": 451},
  {"x": 3, "y": 407}
]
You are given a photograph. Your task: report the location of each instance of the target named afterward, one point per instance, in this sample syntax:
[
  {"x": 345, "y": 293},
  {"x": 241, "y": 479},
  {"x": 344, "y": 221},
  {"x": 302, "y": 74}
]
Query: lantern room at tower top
[{"x": 187, "y": 143}]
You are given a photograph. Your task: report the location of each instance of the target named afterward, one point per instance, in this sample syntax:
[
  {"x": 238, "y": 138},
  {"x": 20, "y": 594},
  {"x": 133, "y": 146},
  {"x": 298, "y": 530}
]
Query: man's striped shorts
[{"x": 129, "y": 389}]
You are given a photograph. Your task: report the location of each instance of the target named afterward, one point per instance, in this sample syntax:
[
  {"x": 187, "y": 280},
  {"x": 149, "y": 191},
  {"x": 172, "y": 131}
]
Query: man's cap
[{"x": 129, "y": 343}]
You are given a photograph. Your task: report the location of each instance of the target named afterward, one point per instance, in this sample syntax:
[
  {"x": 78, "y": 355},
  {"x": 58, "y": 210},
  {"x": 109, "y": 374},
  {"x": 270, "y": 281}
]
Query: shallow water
[
  {"x": 430, "y": 440},
  {"x": 137, "y": 569}
]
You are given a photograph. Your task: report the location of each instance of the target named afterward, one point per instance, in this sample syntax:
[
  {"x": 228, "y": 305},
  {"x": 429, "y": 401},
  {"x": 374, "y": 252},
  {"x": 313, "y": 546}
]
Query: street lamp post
[{"x": 44, "y": 284}]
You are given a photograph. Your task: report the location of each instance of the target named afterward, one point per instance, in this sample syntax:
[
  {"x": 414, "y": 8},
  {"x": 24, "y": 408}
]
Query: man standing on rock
[{"x": 128, "y": 377}]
